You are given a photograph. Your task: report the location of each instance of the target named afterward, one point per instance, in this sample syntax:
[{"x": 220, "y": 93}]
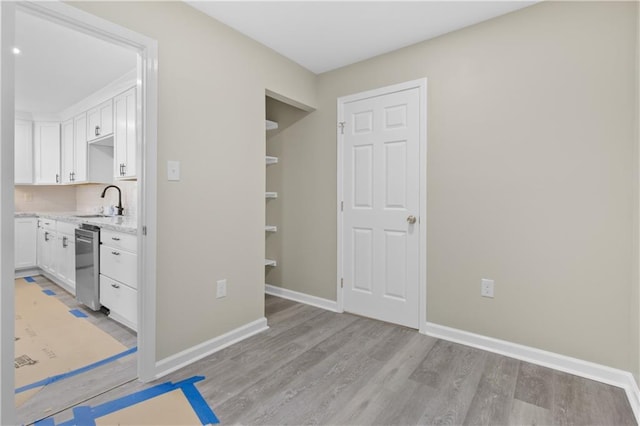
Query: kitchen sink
[{"x": 91, "y": 215}]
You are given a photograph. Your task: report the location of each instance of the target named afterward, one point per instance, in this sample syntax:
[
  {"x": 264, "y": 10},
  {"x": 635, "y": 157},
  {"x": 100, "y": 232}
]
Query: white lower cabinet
[
  {"x": 56, "y": 252},
  {"x": 119, "y": 276},
  {"x": 46, "y": 241},
  {"x": 119, "y": 265},
  {"x": 121, "y": 300},
  {"x": 26, "y": 229},
  {"x": 65, "y": 255}
]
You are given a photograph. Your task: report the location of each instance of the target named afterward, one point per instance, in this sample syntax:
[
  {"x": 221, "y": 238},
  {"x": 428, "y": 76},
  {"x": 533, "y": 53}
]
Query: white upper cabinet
[
  {"x": 23, "y": 173},
  {"x": 74, "y": 150},
  {"x": 100, "y": 121},
  {"x": 124, "y": 148},
  {"x": 68, "y": 154},
  {"x": 46, "y": 141},
  {"x": 81, "y": 173}
]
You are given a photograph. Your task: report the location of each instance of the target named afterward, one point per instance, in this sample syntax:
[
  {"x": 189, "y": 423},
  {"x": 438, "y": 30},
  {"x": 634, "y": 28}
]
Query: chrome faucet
[{"x": 119, "y": 207}]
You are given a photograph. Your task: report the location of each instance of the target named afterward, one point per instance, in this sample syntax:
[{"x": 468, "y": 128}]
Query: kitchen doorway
[{"x": 145, "y": 81}]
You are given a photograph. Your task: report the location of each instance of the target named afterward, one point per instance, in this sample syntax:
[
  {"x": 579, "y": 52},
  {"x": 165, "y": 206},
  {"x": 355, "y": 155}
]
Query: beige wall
[
  {"x": 212, "y": 83},
  {"x": 531, "y": 170}
]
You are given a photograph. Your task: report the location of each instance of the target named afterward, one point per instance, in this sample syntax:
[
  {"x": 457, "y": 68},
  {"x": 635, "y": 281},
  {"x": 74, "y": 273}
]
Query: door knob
[{"x": 411, "y": 219}]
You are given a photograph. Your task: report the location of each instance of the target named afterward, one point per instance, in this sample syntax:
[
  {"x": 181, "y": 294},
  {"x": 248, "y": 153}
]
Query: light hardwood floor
[
  {"x": 319, "y": 367},
  {"x": 60, "y": 395}
]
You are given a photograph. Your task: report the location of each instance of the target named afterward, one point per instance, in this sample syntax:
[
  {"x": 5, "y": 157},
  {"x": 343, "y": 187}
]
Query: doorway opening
[{"x": 138, "y": 187}]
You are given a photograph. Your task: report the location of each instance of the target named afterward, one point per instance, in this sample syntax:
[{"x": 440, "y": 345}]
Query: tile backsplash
[
  {"x": 88, "y": 197},
  {"x": 32, "y": 198},
  {"x": 81, "y": 198}
]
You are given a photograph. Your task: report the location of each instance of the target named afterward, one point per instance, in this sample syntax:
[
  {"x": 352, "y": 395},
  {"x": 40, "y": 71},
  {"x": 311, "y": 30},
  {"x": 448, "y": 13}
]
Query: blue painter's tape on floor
[
  {"x": 29, "y": 280},
  {"x": 80, "y": 370},
  {"x": 49, "y": 292},
  {"x": 45, "y": 422},
  {"x": 83, "y": 416},
  {"x": 86, "y": 415},
  {"x": 78, "y": 313},
  {"x": 199, "y": 405}
]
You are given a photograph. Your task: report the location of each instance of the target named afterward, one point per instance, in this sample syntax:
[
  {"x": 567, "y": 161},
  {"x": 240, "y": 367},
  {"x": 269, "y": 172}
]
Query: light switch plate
[
  {"x": 173, "y": 170},
  {"x": 221, "y": 290}
]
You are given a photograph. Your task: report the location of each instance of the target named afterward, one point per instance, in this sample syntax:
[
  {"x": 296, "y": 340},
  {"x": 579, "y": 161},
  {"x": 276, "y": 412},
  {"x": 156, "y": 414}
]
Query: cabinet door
[
  {"x": 46, "y": 243},
  {"x": 80, "y": 144},
  {"x": 125, "y": 140},
  {"x": 23, "y": 152},
  {"x": 106, "y": 118},
  {"x": 47, "y": 152},
  {"x": 121, "y": 299},
  {"x": 100, "y": 121},
  {"x": 68, "y": 152},
  {"x": 65, "y": 261},
  {"x": 25, "y": 242},
  {"x": 93, "y": 124}
]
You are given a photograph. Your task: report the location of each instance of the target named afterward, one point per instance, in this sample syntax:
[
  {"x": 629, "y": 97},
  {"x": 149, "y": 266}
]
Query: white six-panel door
[{"x": 381, "y": 210}]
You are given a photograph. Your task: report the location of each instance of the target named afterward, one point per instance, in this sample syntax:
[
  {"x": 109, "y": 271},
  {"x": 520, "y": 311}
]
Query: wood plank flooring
[
  {"x": 318, "y": 367},
  {"x": 61, "y": 395}
]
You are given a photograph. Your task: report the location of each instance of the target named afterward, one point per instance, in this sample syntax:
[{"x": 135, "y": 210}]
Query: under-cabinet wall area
[
  {"x": 75, "y": 198},
  {"x": 281, "y": 142}
]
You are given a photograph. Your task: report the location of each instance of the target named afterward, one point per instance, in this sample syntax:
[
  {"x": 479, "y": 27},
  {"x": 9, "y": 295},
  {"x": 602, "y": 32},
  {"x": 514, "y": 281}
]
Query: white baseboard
[
  {"x": 31, "y": 272},
  {"x": 601, "y": 373},
  {"x": 307, "y": 299},
  {"x": 195, "y": 353}
]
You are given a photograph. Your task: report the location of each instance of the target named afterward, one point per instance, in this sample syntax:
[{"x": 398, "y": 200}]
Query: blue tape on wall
[
  {"x": 78, "y": 313},
  {"x": 80, "y": 370},
  {"x": 29, "y": 280},
  {"x": 86, "y": 415},
  {"x": 49, "y": 292}
]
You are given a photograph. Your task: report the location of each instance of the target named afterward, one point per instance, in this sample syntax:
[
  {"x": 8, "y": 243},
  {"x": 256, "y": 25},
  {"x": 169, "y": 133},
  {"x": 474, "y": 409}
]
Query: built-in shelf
[{"x": 271, "y": 125}]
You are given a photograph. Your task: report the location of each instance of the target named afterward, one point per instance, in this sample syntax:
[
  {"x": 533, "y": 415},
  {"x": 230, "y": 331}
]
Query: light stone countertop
[{"x": 125, "y": 224}]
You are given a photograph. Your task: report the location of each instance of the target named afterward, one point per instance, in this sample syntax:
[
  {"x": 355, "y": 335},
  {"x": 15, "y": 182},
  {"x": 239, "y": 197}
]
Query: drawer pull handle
[
  {"x": 115, "y": 253},
  {"x": 115, "y": 238},
  {"x": 115, "y": 286}
]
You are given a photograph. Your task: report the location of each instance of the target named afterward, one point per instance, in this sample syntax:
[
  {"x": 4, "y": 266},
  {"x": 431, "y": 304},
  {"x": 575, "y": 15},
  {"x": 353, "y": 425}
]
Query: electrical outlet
[
  {"x": 486, "y": 288},
  {"x": 221, "y": 290}
]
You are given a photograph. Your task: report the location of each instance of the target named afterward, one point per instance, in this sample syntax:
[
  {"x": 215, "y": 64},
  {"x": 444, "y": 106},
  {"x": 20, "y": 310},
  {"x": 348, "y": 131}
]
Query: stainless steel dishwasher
[{"x": 88, "y": 266}]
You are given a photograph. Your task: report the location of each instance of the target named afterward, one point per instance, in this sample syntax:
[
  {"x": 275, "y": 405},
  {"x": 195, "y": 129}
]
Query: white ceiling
[
  {"x": 325, "y": 35},
  {"x": 59, "y": 66}
]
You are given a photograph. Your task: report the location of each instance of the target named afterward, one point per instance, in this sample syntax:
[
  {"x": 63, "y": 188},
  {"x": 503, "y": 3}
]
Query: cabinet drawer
[
  {"x": 66, "y": 227},
  {"x": 118, "y": 240},
  {"x": 47, "y": 224},
  {"x": 120, "y": 299},
  {"x": 119, "y": 265}
]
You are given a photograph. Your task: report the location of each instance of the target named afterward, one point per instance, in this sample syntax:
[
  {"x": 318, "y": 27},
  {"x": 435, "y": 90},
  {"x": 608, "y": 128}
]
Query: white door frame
[
  {"x": 421, "y": 85},
  {"x": 147, "y": 109}
]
